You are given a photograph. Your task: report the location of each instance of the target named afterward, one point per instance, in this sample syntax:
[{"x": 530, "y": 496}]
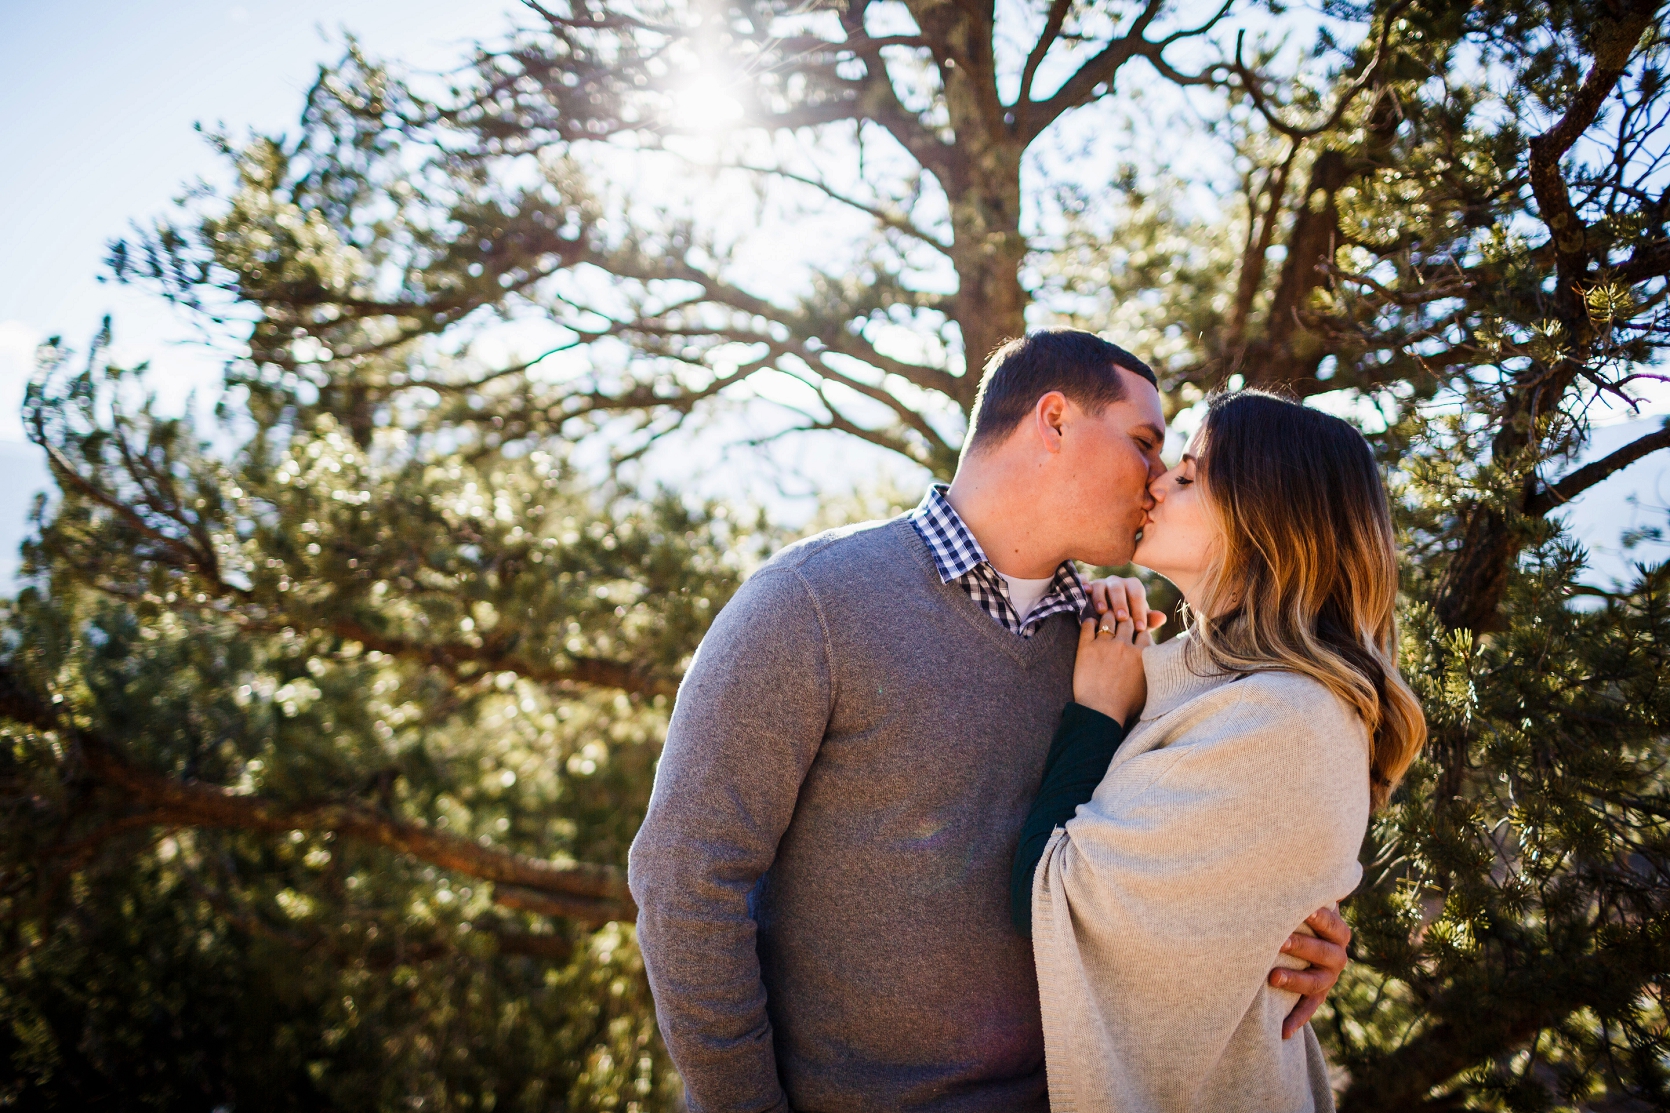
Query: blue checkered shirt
[{"x": 958, "y": 557}]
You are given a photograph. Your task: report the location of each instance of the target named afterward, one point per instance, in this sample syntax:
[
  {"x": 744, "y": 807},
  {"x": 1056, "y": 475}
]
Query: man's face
[{"x": 1109, "y": 459}]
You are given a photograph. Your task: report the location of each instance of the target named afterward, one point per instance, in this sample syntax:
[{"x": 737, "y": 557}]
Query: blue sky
[{"x": 97, "y": 106}]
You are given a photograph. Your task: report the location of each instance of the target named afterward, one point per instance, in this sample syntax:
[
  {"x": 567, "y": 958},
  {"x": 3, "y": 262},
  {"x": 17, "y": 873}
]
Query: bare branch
[
  {"x": 1590, "y": 474},
  {"x": 1614, "y": 41},
  {"x": 797, "y": 47},
  {"x": 1252, "y": 81},
  {"x": 601, "y": 21},
  {"x": 1052, "y": 30},
  {"x": 887, "y": 219},
  {"x": 1649, "y": 260},
  {"x": 1261, "y": 232},
  {"x": 1098, "y": 71}
]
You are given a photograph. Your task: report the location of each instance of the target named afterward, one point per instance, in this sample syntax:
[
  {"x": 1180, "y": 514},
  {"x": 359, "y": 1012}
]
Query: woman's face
[{"x": 1180, "y": 535}]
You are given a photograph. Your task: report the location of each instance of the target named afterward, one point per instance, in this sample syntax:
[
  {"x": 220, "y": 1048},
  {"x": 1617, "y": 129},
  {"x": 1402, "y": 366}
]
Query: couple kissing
[{"x": 938, "y": 827}]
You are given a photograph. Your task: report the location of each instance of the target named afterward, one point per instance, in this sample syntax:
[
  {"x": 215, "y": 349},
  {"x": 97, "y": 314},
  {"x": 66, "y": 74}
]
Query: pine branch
[
  {"x": 449, "y": 656},
  {"x": 588, "y": 893},
  {"x": 1470, "y": 590},
  {"x": 550, "y": 946},
  {"x": 1493, "y": 1020}
]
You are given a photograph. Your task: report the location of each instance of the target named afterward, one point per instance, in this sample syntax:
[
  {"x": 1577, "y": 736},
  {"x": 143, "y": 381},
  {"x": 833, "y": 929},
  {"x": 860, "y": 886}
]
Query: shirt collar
[
  {"x": 956, "y": 553},
  {"x": 954, "y": 548}
]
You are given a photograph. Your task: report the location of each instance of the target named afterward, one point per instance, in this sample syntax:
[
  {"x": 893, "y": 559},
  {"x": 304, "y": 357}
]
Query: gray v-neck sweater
[{"x": 822, "y": 876}]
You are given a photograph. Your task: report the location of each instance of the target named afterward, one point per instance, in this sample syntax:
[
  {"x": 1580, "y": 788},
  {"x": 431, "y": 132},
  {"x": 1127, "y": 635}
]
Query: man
[{"x": 822, "y": 876}]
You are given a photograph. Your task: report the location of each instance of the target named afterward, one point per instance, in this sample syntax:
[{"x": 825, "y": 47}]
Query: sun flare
[{"x": 708, "y": 104}]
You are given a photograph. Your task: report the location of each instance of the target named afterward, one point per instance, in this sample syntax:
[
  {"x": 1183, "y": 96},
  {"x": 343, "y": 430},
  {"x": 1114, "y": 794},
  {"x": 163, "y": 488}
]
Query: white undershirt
[{"x": 1024, "y": 594}]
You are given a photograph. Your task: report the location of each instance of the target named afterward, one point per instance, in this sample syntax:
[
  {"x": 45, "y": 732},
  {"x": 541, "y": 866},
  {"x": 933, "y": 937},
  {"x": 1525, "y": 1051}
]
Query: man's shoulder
[
  {"x": 825, "y": 573},
  {"x": 866, "y": 548}
]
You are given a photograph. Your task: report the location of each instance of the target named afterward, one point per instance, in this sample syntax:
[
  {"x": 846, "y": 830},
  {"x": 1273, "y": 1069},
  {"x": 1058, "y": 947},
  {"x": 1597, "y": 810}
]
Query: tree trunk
[
  {"x": 988, "y": 252},
  {"x": 1289, "y": 354},
  {"x": 980, "y": 170},
  {"x": 1472, "y": 585}
]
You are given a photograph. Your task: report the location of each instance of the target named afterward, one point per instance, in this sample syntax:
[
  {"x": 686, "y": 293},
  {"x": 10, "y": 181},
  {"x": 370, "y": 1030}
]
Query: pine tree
[{"x": 323, "y": 750}]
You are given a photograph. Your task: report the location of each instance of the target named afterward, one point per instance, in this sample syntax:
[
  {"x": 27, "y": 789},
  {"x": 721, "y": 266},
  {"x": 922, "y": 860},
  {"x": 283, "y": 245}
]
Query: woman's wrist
[
  {"x": 1084, "y": 744},
  {"x": 1106, "y": 709}
]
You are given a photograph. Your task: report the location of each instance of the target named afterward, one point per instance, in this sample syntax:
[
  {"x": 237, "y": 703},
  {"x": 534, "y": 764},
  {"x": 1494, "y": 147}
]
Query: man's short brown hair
[{"x": 1079, "y": 364}]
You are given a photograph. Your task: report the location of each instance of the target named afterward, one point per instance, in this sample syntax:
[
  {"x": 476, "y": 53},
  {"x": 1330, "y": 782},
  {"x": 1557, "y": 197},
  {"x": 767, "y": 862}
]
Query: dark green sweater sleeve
[{"x": 1078, "y": 760}]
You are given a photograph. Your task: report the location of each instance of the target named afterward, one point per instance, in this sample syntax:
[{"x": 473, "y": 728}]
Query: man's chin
[{"x": 1116, "y": 555}]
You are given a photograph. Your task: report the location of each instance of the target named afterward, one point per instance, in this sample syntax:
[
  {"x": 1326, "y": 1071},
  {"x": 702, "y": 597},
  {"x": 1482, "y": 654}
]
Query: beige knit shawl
[{"x": 1233, "y": 810}]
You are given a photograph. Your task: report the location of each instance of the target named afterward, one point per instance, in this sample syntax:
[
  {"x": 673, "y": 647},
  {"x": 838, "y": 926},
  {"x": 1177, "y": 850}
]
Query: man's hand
[{"x": 1326, "y": 954}]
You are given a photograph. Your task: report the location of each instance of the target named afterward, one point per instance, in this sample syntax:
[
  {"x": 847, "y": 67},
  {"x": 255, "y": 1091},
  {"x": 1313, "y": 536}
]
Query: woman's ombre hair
[{"x": 1306, "y": 577}]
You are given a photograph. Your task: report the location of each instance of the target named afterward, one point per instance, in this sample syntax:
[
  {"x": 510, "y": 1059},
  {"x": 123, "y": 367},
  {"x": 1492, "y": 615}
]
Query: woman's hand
[
  {"x": 1108, "y": 675},
  {"x": 1129, "y": 592}
]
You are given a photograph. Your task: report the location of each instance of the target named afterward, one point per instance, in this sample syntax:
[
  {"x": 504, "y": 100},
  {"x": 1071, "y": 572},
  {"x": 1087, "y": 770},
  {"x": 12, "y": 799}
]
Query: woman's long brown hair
[{"x": 1306, "y": 577}]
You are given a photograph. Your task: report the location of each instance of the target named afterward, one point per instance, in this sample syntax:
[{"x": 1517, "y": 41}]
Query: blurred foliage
[
  {"x": 323, "y": 745},
  {"x": 345, "y": 634}
]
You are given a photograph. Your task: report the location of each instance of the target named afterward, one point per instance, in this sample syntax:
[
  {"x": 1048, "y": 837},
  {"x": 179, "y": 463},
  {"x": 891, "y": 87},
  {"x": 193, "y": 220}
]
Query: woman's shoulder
[
  {"x": 1280, "y": 693},
  {"x": 1293, "y": 697},
  {"x": 1264, "y": 712},
  {"x": 1319, "y": 735},
  {"x": 1277, "y": 731},
  {"x": 1263, "y": 736}
]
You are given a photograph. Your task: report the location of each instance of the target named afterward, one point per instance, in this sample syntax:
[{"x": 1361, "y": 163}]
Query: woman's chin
[{"x": 1151, "y": 557}]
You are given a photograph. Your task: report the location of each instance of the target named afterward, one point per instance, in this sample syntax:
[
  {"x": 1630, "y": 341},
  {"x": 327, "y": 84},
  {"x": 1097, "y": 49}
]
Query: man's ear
[{"x": 1049, "y": 417}]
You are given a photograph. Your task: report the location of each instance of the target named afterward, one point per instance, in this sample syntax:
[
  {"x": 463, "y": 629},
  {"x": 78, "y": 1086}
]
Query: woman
[{"x": 1236, "y": 803}]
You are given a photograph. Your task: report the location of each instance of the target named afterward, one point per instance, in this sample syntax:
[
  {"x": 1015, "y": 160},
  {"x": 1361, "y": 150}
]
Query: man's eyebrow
[{"x": 1152, "y": 430}]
